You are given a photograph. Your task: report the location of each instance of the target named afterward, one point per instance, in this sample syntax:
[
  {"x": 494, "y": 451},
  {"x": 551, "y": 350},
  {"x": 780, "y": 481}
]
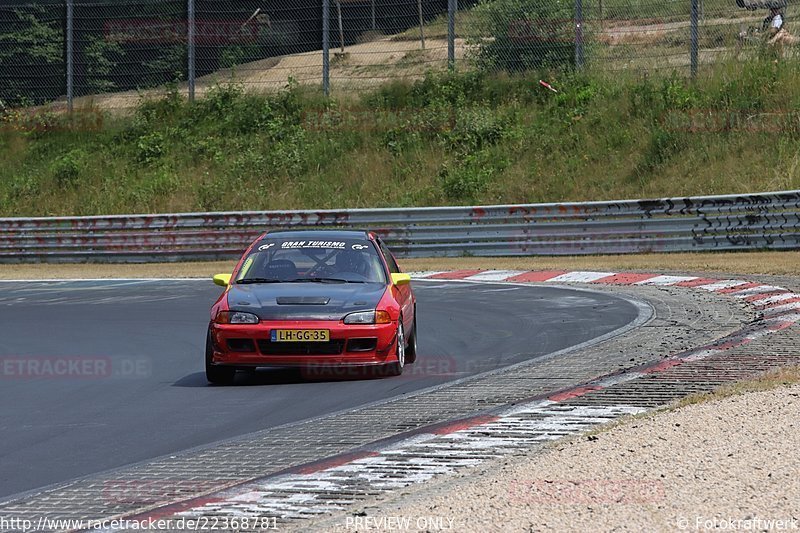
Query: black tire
[
  {"x": 396, "y": 368},
  {"x": 411, "y": 347},
  {"x": 218, "y": 375}
]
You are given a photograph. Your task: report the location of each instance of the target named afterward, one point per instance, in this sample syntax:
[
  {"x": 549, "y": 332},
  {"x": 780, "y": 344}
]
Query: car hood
[{"x": 304, "y": 301}]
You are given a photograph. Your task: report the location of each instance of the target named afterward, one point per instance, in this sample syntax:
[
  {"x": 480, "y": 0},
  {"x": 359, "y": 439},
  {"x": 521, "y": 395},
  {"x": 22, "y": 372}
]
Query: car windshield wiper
[
  {"x": 261, "y": 280},
  {"x": 323, "y": 280}
]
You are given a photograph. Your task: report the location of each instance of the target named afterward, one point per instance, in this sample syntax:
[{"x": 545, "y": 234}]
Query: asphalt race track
[{"x": 99, "y": 374}]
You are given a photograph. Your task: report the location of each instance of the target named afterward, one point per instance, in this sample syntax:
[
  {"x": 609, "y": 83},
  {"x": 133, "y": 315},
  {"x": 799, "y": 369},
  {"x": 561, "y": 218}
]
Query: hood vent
[{"x": 303, "y": 300}]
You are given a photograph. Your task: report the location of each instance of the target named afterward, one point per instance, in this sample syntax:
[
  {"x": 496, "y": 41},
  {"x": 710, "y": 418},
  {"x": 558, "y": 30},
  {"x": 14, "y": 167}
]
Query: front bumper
[{"x": 249, "y": 345}]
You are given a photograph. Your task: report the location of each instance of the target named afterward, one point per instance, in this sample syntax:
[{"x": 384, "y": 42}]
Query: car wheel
[
  {"x": 218, "y": 375},
  {"x": 396, "y": 368},
  {"x": 411, "y": 348}
]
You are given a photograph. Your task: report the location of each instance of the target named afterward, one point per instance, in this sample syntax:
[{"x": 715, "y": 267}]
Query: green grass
[{"x": 449, "y": 139}]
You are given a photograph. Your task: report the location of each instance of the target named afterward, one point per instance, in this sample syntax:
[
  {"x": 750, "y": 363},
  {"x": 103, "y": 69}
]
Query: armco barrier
[{"x": 732, "y": 222}]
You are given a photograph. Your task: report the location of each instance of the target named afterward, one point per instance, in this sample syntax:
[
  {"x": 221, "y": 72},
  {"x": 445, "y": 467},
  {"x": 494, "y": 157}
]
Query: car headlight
[
  {"x": 236, "y": 317},
  {"x": 368, "y": 317}
]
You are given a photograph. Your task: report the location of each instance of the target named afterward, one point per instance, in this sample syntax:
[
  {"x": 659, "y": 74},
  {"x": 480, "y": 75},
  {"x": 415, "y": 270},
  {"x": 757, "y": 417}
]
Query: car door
[{"x": 404, "y": 294}]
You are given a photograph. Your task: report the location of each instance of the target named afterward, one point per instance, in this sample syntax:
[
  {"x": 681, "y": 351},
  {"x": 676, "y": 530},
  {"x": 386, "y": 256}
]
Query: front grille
[{"x": 332, "y": 347}]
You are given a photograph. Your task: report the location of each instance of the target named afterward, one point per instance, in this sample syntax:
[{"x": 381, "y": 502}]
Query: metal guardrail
[{"x": 732, "y": 222}]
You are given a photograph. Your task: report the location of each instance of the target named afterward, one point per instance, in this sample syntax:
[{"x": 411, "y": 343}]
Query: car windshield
[{"x": 312, "y": 261}]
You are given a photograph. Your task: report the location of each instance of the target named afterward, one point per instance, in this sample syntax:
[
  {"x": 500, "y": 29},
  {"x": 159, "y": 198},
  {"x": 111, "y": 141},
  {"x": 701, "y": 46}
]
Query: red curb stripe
[
  {"x": 731, "y": 344},
  {"x": 625, "y": 279},
  {"x": 764, "y": 295},
  {"x": 731, "y": 290},
  {"x": 333, "y": 462},
  {"x": 662, "y": 366},
  {"x": 573, "y": 393},
  {"x": 780, "y": 325},
  {"x": 537, "y": 275},
  {"x": 464, "y": 424},
  {"x": 455, "y": 274},
  {"x": 776, "y": 304},
  {"x": 695, "y": 282},
  {"x": 770, "y": 314}
]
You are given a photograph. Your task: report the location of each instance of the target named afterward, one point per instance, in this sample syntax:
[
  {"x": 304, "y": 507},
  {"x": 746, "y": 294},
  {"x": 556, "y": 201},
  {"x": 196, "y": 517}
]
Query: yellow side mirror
[
  {"x": 401, "y": 279},
  {"x": 223, "y": 280}
]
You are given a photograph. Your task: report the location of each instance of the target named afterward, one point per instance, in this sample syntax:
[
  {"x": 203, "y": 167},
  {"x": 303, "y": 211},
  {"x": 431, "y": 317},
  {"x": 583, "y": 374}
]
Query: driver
[{"x": 350, "y": 261}]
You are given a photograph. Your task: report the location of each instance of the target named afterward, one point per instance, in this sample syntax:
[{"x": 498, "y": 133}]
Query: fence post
[
  {"x": 326, "y": 45},
  {"x": 578, "y": 34},
  {"x": 421, "y": 24},
  {"x": 191, "y": 41},
  {"x": 452, "y": 8},
  {"x": 70, "y": 60},
  {"x": 693, "y": 46}
]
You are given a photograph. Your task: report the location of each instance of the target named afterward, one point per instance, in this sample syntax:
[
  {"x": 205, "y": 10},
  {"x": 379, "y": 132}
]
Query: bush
[
  {"x": 465, "y": 180},
  {"x": 476, "y": 128},
  {"x": 67, "y": 168},
  {"x": 150, "y": 147},
  {"x": 527, "y": 34}
]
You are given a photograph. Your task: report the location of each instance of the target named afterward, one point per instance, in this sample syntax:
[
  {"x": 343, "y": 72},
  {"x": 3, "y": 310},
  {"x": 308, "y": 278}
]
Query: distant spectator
[
  {"x": 774, "y": 28},
  {"x": 774, "y": 21}
]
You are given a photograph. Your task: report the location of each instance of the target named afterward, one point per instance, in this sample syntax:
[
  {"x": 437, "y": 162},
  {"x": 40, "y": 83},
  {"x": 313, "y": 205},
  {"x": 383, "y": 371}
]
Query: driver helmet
[{"x": 350, "y": 261}]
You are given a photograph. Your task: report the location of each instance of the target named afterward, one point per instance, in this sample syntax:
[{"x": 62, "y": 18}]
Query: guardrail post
[
  {"x": 326, "y": 45},
  {"x": 69, "y": 52},
  {"x": 190, "y": 39},
  {"x": 452, "y": 9}
]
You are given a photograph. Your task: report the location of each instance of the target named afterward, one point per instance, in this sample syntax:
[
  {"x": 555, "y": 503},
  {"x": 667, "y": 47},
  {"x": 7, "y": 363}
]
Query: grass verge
[{"x": 449, "y": 139}]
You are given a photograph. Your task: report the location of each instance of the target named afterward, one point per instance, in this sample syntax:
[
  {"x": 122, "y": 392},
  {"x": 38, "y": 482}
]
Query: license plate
[{"x": 300, "y": 335}]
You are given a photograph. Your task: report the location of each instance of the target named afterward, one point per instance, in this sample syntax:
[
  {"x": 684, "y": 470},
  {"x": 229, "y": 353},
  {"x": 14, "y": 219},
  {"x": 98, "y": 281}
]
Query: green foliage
[
  {"x": 528, "y": 34},
  {"x": 67, "y": 168},
  {"x": 23, "y": 185},
  {"x": 663, "y": 145},
  {"x": 150, "y": 147},
  {"x": 102, "y": 57},
  {"x": 31, "y": 38},
  {"x": 465, "y": 180},
  {"x": 170, "y": 64},
  {"x": 450, "y": 138},
  {"x": 677, "y": 93},
  {"x": 476, "y": 128}
]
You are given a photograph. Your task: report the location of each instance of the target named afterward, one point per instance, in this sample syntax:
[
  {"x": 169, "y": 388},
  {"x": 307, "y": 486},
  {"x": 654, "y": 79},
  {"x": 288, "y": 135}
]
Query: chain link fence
[{"x": 111, "y": 53}]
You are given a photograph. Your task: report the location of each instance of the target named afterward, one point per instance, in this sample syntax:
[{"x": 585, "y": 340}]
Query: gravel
[{"x": 729, "y": 464}]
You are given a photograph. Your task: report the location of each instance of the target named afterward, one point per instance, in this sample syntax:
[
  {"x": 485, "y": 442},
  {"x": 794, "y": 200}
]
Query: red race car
[{"x": 314, "y": 299}]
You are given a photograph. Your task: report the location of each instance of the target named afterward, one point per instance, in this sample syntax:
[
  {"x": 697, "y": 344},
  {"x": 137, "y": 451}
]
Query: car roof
[{"x": 318, "y": 234}]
